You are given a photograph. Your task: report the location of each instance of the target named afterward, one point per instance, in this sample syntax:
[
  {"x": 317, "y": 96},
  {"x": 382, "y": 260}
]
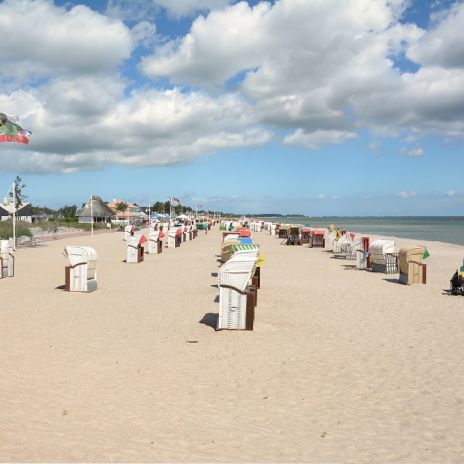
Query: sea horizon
[{"x": 449, "y": 229}]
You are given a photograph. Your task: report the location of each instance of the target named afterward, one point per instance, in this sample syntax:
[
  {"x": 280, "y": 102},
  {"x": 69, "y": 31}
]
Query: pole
[
  {"x": 148, "y": 216},
  {"x": 91, "y": 215},
  {"x": 14, "y": 216}
]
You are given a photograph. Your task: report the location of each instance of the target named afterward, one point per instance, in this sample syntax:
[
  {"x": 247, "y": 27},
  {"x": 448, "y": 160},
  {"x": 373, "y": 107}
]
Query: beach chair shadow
[
  {"x": 349, "y": 267},
  {"x": 215, "y": 285},
  {"x": 210, "y": 319},
  {"x": 216, "y": 299},
  {"x": 214, "y": 274},
  {"x": 391, "y": 280},
  {"x": 60, "y": 287}
]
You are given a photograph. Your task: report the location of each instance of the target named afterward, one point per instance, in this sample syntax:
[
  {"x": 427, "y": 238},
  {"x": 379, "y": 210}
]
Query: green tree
[
  {"x": 18, "y": 192},
  {"x": 121, "y": 206}
]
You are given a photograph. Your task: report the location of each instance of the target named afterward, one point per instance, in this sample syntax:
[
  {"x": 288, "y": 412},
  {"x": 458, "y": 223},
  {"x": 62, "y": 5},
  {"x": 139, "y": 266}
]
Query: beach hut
[
  {"x": 155, "y": 242},
  {"x": 95, "y": 210},
  {"x": 6, "y": 259},
  {"x": 135, "y": 249},
  {"x": 382, "y": 256},
  {"x": 80, "y": 269},
  {"x": 412, "y": 270}
]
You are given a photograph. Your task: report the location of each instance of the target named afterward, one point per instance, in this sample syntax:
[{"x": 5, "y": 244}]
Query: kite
[{"x": 11, "y": 131}]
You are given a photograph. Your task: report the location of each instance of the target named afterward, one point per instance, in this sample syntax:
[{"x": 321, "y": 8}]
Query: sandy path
[{"x": 344, "y": 365}]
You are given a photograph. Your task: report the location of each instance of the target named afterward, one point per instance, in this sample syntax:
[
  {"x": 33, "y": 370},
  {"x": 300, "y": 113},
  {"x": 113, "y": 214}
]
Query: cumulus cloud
[
  {"x": 40, "y": 38},
  {"x": 322, "y": 196},
  {"x": 450, "y": 193},
  {"x": 89, "y": 123},
  {"x": 404, "y": 194},
  {"x": 317, "y": 138},
  {"x": 443, "y": 45}
]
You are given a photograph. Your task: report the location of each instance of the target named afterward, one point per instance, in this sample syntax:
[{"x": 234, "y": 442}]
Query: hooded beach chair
[
  {"x": 155, "y": 242},
  {"x": 412, "y": 269},
  {"x": 236, "y": 295},
  {"x": 6, "y": 259},
  {"x": 80, "y": 269},
  {"x": 174, "y": 237},
  {"x": 382, "y": 256},
  {"x": 135, "y": 249}
]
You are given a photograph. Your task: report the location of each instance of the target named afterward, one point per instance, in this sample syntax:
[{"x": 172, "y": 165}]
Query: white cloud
[
  {"x": 373, "y": 145},
  {"x": 40, "y": 38},
  {"x": 322, "y": 196},
  {"x": 87, "y": 123},
  {"x": 444, "y": 44},
  {"x": 144, "y": 33},
  {"x": 407, "y": 194},
  {"x": 450, "y": 193},
  {"x": 317, "y": 138},
  {"x": 413, "y": 153}
]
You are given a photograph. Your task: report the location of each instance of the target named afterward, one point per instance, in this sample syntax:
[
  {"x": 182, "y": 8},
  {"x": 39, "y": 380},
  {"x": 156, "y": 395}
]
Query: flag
[
  {"x": 174, "y": 201},
  {"x": 11, "y": 131},
  {"x": 199, "y": 206},
  {"x": 426, "y": 254}
]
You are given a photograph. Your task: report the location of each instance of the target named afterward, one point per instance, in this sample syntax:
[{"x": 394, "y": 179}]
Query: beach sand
[{"x": 343, "y": 365}]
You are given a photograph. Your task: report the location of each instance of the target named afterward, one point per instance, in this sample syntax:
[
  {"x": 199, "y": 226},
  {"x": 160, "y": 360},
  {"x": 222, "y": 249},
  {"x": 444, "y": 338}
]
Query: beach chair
[
  {"x": 457, "y": 282},
  {"x": 382, "y": 256},
  {"x": 227, "y": 249},
  {"x": 155, "y": 243},
  {"x": 316, "y": 238},
  {"x": 128, "y": 231},
  {"x": 305, "y": 235},
  {"x": 341, "y": 245},
  {"x": 135, "y": 249},
  {"x": 80, "y": 269},
  {"x": 412, "y": 270},
  {"x": 283, "y": 231},
  {"x": 7, "y": 259},
  {"x": 236, "y": 295},
  {"x": 330, "y": 237},
  {"x": 174, "y": 237}
]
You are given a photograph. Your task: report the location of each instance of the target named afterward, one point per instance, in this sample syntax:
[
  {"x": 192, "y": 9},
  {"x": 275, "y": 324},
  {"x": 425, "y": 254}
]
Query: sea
[{"x": 448, "y": 229}]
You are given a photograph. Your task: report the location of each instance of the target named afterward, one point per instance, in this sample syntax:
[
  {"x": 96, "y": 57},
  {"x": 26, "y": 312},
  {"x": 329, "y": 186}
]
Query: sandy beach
[{"x": 343, "y": 365}]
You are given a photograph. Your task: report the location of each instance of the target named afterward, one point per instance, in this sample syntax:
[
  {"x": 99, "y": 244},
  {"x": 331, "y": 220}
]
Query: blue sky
[{"x": 341, "y": 107}]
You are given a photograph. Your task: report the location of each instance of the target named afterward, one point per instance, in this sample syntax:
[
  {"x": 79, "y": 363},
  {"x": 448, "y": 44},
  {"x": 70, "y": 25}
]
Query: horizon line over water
[{"x": 448, "y": 229}]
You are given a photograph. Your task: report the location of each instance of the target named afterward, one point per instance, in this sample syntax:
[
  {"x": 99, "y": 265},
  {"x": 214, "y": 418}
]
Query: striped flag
[
  {"x": 174, "y": 201},
  {"x": 11, "y": 131}
]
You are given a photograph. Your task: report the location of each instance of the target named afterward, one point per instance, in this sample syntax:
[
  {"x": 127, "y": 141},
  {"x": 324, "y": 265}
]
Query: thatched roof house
[{"x": 99, "y": 210}]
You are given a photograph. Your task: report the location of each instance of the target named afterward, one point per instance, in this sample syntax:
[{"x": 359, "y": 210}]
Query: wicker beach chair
[
  {"x": 412, "y": 269},
  {"x": 155, "y": 243},
  {"x": 383, "y": 257},
  {"x": 80, "y": 269},
  {"x": 7, "y": 259},
  {"x": 135, "y": 249},
  {"x": 236, "y": 296}
]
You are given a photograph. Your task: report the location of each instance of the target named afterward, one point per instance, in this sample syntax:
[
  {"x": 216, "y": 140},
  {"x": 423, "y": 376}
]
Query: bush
[{"x": 6, "y": 229}]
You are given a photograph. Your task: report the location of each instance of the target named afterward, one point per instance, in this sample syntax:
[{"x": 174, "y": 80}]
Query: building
[{"x": 95, "y": 210}]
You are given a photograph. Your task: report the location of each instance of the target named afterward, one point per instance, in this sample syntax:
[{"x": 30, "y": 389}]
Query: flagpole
[
  {"x": 14, "y": 216},
  {"x": 91, "y": 215}
]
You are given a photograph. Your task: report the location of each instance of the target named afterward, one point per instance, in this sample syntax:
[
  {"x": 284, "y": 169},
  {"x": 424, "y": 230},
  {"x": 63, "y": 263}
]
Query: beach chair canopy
[{"x": 378, "y": 249}]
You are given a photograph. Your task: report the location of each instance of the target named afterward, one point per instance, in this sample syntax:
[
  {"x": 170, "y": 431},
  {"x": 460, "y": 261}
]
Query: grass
[{"x": 6, "y": 229}]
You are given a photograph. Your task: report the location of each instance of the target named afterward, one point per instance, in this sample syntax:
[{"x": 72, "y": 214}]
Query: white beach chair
[
  {"x": 6, "y": 259},
  {"x": 135, "y": 249},
  {"x": 80, "y": 269},
  {"x": 174, "y": 237},
  {"x": 236, "y": 298},
  {"x": 383, "y": 256},
  {"x": 155, "y": 243}
]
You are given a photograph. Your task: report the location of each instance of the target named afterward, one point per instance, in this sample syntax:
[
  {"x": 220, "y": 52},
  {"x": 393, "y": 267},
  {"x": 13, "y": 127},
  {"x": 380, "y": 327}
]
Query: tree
[
  {"x": 121, "y": 206},
  {"x": 18, "y": 192}
]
